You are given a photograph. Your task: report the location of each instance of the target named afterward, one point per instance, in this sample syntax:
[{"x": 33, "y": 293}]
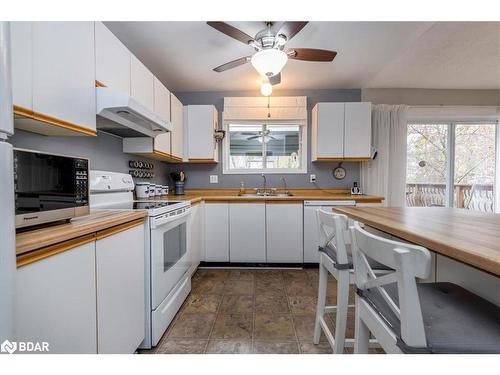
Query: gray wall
[
  {"x": 198, "y": 175},
  {"x": 104, "y": 151},
  {"x": 431, "y": 97}
]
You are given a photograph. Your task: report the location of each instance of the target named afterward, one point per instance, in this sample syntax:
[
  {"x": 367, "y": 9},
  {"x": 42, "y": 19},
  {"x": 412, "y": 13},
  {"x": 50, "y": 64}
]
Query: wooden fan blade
[
  {"x": 231, "y": 31},
  {"x": 232, "y": 64},
  {"x": 311, "y": 54},
  {"x": 274, "y": 80},
  {"x": 290, "y": 29}
]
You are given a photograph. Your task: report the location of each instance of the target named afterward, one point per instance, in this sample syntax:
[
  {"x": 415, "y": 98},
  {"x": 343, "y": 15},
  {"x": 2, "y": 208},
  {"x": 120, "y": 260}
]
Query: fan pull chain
[{"x": 269, "y": 106}]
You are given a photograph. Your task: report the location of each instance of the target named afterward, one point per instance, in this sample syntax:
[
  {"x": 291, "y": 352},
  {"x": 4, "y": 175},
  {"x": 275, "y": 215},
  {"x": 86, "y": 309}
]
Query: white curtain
[{"x": 386, "y": 175}]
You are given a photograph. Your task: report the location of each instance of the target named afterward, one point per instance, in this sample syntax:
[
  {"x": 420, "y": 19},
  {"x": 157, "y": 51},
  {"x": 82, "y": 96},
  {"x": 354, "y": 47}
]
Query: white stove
[
  {"x": 167, "y": 247},
  {"x": 154, "y": 208}
]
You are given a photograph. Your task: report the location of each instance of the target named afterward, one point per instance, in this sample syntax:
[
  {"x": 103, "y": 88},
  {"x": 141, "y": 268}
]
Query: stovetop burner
[
  {"x": 139, "y": 205},
  {"x": 146, "y": 205}
]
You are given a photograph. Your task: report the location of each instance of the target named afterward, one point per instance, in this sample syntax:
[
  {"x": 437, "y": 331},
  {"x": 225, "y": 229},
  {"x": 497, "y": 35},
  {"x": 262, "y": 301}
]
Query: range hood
[{"x": 121, "y": 115}]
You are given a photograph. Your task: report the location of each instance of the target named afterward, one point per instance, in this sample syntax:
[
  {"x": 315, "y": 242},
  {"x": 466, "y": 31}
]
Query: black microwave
[{"x": 49, "y": 187}]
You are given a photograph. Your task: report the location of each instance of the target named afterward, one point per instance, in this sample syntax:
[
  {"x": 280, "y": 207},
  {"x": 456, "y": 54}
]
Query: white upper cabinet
[
  {"x": 162, "y": 143},
  {"x": 64, "y": 72},
  {"x": 357, "y": 131},
  {"x": 112, "y": 60},
  {"x": 22, "y": 64},
  {"x": 162, "y": 108},
  {"x": 141, "y": 83},
  {"x": 327, "y": 131},
  {"x": 247, "y": 232},
  {"x": 341, "y": 131},
  {"x": 201, "y": 122},
  {"x": 177, "y": 118},
  {"x": 161, "y": 100}
]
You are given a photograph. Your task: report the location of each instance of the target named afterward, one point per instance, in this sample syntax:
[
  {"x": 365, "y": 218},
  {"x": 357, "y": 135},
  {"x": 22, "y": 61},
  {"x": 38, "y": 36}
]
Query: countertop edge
[
  {"x": 478, "y": 261},
  {"x": 29, "y": 241}
]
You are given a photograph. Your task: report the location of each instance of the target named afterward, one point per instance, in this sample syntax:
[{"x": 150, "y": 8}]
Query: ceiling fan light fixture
[
  {"x": 281, "y": 40},
  {"x": 266, "y": 88},
  {"x": 264, "y": 139},
  {"x": 269, "y": 62}
]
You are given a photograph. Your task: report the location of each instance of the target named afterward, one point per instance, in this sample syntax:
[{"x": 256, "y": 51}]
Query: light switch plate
[
  {"x": 312, "y": 178},
  {"x": 214, "y": 179}
]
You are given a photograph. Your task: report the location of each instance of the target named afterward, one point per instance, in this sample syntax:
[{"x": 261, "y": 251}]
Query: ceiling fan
[
  {"x": 269, "y": 43},
  {"x": 263, "y": 136}
]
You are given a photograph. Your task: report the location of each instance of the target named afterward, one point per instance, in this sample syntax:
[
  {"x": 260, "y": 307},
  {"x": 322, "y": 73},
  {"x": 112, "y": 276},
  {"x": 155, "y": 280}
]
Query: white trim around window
[
  {"x": 450, "y": 169},
  {"x": 302, "y": 123}
]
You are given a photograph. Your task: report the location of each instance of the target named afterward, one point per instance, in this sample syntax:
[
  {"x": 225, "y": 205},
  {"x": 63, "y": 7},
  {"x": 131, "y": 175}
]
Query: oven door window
[{"x": 174, "y": 246}]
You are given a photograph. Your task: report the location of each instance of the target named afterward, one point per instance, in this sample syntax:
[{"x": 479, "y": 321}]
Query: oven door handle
[{"x": 165, "y": 220}]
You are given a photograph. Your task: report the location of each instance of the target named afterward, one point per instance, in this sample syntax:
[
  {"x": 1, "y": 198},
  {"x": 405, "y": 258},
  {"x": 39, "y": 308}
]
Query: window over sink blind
[{"x": 256, "y": 108}]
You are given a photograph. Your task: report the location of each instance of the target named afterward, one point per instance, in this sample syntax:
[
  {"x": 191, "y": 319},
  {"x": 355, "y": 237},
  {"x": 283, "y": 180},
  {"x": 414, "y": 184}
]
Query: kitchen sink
[{"x": 266, "y": 195}]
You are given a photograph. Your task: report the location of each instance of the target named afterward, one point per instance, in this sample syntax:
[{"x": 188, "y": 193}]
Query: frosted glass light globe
[
  {"x": 269, "y": 62},
  {"x": 266, "y": 89}
]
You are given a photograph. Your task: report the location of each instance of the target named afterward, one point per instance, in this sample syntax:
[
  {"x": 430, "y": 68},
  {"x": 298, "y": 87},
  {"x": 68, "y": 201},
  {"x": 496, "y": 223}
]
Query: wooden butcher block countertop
[
  {"x": 36, "y": 244},
  {"x": 469, "y": 237},
  {"x": 299, "y": 195}
]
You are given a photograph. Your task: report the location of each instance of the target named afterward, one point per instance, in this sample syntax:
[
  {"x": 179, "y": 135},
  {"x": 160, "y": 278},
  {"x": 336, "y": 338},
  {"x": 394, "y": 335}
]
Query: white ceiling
[{"x": 443, "y": 55}]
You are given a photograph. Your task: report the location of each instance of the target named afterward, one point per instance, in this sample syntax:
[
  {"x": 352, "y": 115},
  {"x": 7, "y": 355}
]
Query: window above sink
[{"x": 270, "y": 147}]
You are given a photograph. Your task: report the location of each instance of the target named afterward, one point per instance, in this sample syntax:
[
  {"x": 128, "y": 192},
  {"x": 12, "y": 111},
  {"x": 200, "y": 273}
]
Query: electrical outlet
[
  {"x": 214, "y": 179},
  {"x": 312, "y": 178}
]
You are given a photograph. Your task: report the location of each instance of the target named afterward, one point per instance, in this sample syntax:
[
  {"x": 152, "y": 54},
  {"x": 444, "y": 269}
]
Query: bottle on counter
[{"x": 242, "y": 188}]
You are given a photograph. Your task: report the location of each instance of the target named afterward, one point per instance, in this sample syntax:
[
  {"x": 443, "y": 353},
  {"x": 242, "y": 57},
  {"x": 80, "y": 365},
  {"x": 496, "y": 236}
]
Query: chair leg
[
  {"x": 320, "y": 308},
  {"x": 342, "y": 307},
  {"x": 361, "y": 333}
]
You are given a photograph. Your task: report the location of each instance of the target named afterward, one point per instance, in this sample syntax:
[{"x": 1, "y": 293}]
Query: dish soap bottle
[{"x": 242, "y": 188}]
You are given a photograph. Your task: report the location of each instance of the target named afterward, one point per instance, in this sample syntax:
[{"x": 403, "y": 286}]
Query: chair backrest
[
  {"x": 333, "y": 232},
  {"x": 409, "y": 262}
]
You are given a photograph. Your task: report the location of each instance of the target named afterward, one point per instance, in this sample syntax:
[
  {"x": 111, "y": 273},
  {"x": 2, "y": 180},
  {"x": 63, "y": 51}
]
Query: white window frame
[
  {"x": 450, "y": 154},
  {"x": 302, "y": 148}
]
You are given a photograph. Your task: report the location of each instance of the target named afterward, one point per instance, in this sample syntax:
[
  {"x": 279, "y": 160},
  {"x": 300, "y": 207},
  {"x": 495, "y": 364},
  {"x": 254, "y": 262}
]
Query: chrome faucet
[
  {"x": 265, "y": 183},
  {"x": 284, "y": 184}
]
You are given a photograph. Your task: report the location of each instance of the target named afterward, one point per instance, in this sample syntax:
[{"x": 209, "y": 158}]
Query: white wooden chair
[
  {"x": 335, "y": 258},
  {"x": 410, "y": 317}
]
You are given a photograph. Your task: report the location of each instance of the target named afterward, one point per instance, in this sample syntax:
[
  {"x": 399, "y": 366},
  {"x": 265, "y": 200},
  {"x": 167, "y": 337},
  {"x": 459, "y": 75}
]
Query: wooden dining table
[{"x": 469, "y": 237}]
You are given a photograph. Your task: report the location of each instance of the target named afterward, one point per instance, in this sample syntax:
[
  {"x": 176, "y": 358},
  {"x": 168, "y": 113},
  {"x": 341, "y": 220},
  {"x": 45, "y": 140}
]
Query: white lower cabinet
[
  {"x": 195, "y": 233},
  {"x": 247, "y": 232},
  {"x": 216, "y": 232},
  {"x": 311, "y": 242},
  {"x": 87, "y": 299},
  {"x": 120, "y": 291},
  {"x": 284, "y": 233},
  {"x": 56, "y": 301}
]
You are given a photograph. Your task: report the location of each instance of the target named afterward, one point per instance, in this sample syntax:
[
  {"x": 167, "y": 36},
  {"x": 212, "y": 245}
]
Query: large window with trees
[{"x": 452, "y": 165}]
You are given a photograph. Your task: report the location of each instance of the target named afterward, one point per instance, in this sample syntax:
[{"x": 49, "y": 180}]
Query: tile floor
[{"x": 249, "y": 311}]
